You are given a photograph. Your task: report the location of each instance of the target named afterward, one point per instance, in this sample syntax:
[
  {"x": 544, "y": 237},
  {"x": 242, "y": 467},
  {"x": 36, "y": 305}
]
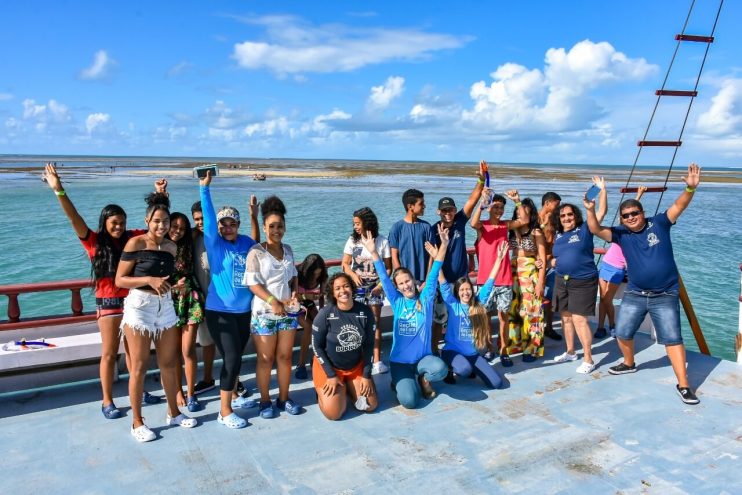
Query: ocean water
[{"x": 38, "y": 243}]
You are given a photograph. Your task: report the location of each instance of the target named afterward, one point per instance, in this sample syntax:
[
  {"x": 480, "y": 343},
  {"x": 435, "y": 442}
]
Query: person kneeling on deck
[
  {"x": 653, "y": 279},
  {"x": 412, "y": 365},
  {"x": 343, "y": 343}
]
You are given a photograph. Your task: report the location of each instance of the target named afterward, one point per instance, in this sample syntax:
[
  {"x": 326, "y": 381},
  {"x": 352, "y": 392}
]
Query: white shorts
[
  {"x": 148, "y": 313},
  {"x": 204, "y": 337}
]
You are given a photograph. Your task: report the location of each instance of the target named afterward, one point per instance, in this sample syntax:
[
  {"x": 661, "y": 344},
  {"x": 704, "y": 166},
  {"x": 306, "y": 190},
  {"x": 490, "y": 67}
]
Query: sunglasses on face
[
  {"x": 631, "y": 214},
  {"x": 566, "y": 215}
]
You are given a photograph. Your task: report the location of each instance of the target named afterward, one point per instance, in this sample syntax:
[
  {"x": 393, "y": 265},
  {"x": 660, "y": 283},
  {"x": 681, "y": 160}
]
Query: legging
[
  {"x": 404, "y": 378},
  {"x": 230, "y": 332},
  {"x": 464, "y": 365}
]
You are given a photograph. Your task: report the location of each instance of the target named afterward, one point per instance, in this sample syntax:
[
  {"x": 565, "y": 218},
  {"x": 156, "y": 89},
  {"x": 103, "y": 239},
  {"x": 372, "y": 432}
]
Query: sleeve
[
  {"x": 447, "y": 294},
  {"x": 383, "y": 248},
  {"x": 394, "y": 236},
  {"x": 348, "y": 249},
  {"x": 431, "y": 283},
  {"x": 389, "y": 289},
  {"x": 663, "y": 219},
  {"x": 211, "y": 230},
  {"x": 319, "y": 341},
  {"x": 253, "y": 276},
  {"x": 129, "y": 255},
  {"x": 89, "y": 243},
  {"x": 368, "y": 343},
  {"x": 292, "y": 266},
  {"x": 615, "y": 235},
  {"x": 485, "y": 291}
]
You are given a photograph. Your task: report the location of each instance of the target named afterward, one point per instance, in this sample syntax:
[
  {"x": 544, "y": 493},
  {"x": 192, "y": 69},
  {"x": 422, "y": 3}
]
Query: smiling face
[
  {"x": 405, "y": 284},
  {"x": 228, "y": 228},
  {"x": 465, "y": 293},
  {"x": 159, "y": 223},
  {"x": 274, "y": 228},
  {"x": 567, "y": 218},
  {"x": 358, "y": 226},
  {"x": 342, "y": 290},
  {"x": 116, "y": 226},
  {"x": 198, "y": 221},
  {"x": 633, "y": 218},
  {"x": 447, "y": 215},
  {"x": 177, "y": 229},
  {"x": 496, "y": 211}
]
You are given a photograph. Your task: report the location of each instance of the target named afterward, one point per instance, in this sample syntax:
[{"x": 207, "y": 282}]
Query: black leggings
[{"x": 230, "y": 332}]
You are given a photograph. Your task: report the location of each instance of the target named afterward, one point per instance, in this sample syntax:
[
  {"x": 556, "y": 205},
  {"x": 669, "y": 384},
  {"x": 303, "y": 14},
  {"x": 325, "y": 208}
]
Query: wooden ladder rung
[
  {"x": 693, "y": 37},
  {"x": 674, "y": 92},
  {"x": 636, "y": 189},
  {"x": 659, "y": 143}
]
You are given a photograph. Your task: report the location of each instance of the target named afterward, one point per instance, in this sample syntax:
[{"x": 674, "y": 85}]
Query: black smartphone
[{"x": 200, "y": 172}]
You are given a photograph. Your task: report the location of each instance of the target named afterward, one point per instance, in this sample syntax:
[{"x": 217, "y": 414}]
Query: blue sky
[{"x": 528, "y": 81}]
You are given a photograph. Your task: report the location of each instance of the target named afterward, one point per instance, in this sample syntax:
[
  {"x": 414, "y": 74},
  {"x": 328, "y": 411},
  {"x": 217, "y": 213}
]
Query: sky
[{"x": 526, "y": 82}]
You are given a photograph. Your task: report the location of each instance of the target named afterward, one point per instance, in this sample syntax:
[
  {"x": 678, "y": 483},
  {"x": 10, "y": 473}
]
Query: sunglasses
[
  {"x": 631, "y": 214},
  {"x": 566, "y": 215}
]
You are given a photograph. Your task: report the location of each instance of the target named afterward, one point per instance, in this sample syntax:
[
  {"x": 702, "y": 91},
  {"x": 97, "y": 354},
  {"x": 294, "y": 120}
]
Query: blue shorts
[
  {"x": 611, "y": 274},
  {"x": 267, "y": 324},
  {"x": 663, "y": 309}
]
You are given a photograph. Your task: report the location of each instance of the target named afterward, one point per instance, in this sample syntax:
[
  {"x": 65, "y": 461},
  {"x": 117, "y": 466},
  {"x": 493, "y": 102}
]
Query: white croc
[
  {"x": 232, "y": 421},
  {"x": 143, "y": 434},
  {"x": 565, "y": 357},
  {"x": 585, "y": 368},
  {"x": 181, "y": 420}
]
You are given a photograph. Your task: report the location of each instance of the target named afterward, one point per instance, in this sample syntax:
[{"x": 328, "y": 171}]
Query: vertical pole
[
  {"x": 14, "y": 309},
  {"x": 691, "y": 314},
  {"x": 76, "y": 304}
]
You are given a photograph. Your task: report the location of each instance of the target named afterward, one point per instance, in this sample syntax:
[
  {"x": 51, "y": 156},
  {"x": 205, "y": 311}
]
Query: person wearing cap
[
  {"x": 456, "y": 263},
  {"x": 228, "y": 299}
]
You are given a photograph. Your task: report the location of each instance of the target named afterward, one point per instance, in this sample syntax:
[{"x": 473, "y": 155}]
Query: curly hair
[
  {"x": 329, "y": 295},
  {"x": 272, "y": 205},
  {"x": 156, "y": 202},
  {"x": 557, "y": 224},
  {"x": 369, "y": 223}
]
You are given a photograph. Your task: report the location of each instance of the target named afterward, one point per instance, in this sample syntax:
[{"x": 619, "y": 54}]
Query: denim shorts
[
  {"x": 611, "y": 273},
  {"x": 500, "y": 299},
  {"x": 663, "y": 309},
  {"x": 270, "y": 324},
  {"x": 148, "y": 313}
]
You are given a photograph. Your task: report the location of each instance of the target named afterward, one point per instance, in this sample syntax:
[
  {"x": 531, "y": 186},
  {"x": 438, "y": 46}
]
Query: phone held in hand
[
  {"x": 592, "y": 193},
  {"x": 200, "y": 172}
]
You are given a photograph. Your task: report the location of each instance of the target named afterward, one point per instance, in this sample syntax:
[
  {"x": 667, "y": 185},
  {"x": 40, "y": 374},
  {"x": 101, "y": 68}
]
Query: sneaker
[
  {"x": 203, "y": 386},
  {"x": 232, "y": 421},
  {"x": 243, "y": 391},
  {"x": 687, "y": 395},
  {"x": 600, "y": 333},
  {"x": 289, "y": 406},
  {"x": 585, "y": 368},
  {"x": 110, "y": 411},
  {"x": 379, "y": 368},
  {"x": 243, "y": 403},
  {"x": 301, "y": 372},
  {"x": 622, "y": 369},
  {"x": 148, "y": 398},
  {"x": 192, "y": 404},
  {"x": 181, "y": 420},
  {"x": 565, "y": 357},
  {"x": 549, "y": 332},
  {"x": 143, "y": 434},
  {"x": 505, "y": 361},
  {"x": 266, "y": 410}
]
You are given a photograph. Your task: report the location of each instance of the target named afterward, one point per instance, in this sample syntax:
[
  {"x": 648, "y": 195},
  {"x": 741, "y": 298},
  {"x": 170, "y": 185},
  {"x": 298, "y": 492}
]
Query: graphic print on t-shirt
[
  {"x": 407, "y": 323},
  {"x": 362, "y": 265},
  {"x": 349, "y": 338},
  {"x": 238, "y": 270},
  {"x": 465, "y": 328}
]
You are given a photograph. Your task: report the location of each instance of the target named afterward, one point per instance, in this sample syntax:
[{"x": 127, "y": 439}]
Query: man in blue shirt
[{"x": 653, "y": 279}]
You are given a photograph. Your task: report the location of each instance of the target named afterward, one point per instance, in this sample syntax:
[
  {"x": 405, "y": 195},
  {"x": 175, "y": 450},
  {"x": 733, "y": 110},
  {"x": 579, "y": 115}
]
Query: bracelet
[
  {"x": 270, "y": 299},
  {"x": 690, "y": 189},
  {"x": 60, "y": 193},
  {"x": 517, "y": 205},
  {"x": 480, "y": 181}
]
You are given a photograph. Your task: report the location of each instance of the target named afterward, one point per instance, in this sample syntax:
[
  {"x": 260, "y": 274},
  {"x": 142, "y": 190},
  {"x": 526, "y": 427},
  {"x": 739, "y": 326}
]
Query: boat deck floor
[{"x": 550, "y": 430}]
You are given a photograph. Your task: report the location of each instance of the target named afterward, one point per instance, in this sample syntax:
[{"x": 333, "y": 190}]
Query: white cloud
[
  {"x": 95, "y": 121},
  {"x": 5, "y": 96},
  {"x": 724, "y": 116},
  {"x": 382, "y": 96},
  {"x": 101, "y": 68},
  {"x": 42, "y": 114},
  {"x": 295, "y": 46},
  {"x": 179, "y": 69},
  {"x": 220, "y": 116},
  {"x": 269, "y": 127}
]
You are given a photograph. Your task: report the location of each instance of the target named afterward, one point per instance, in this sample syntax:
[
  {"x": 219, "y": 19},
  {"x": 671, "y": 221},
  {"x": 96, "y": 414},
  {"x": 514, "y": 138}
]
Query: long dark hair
[
  {"x": 369, "y": 222},
  {"x": 556, "y": 222},
  {"x": 306, "y": 271},
  {"x": 532, "y": 216},
  {"x": 480, "y": 327},
  {"x": 184, "y": 252},
  {"x": 329, "y": 296},
  {"x": 107, "y": 249}
]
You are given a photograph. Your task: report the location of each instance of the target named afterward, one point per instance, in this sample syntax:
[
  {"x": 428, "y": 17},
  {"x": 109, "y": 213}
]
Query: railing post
[
  {"x": 14, "y": 309},
  {"x": 76, "y": 304}
]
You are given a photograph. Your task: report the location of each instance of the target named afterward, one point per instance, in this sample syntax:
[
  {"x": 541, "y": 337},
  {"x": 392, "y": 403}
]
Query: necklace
[{"x": 159, "y": 246}]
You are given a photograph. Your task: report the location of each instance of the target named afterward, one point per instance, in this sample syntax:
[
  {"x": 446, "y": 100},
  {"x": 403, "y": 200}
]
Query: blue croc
[
  {"x": 150, "y": 399},
  {"x": 232, "y": 421},
  {"x": 193, "y": 404},
  {"x": 243, "y": 403},
  {"x": 289, "y": 406},
  {"x": 266, "y": 410},
  {"x": 110, "y": 411},
  {"x": 301, "y": 373}
]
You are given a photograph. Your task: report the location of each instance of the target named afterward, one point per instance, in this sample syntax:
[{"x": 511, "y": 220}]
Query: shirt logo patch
[
  {"x": 652, "y": 239},
  {"x": 574, "y": 238},
  {"x": 349, "y": 339},
  {"x": 239, "y": 263}
]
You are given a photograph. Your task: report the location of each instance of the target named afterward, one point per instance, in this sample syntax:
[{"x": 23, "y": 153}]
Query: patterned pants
[{"x": 526, "y": 329}]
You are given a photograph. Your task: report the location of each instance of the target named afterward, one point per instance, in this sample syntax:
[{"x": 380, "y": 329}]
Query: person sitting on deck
[
  {"x": 312, "y": 278},
  {"x": 653, "y": 279}
]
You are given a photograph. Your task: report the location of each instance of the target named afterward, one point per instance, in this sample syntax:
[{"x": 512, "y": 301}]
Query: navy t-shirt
[
  {"x": 409, "y": 239},
  {"x": 573, "y": 251},
  {"x": 456, "y": 264},
  {"x": 649, "y": 259}
]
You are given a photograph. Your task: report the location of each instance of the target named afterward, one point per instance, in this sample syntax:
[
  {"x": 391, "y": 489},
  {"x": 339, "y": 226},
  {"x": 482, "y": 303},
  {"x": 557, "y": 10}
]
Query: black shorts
[{"x": 575, "y": 296}]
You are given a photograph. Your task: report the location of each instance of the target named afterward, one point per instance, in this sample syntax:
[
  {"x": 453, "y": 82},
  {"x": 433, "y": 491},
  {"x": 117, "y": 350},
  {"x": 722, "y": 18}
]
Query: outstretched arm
[
  {"x": 51, "y": 177},
  {"x": 603, "y": 197},
  {"x": 476, "y": 192},
  {"x": 254, "y": 224},
  {"x": 691, "y": 183},
  {"x": 522, "y": 220},
  {"x": 592, "y": 222}
]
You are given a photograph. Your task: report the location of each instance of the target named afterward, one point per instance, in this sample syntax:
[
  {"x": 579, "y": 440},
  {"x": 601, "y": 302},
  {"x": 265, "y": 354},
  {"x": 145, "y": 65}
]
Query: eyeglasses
[
  {"x": 631, "y": 214},
  {"x": 566, "y": 215}
]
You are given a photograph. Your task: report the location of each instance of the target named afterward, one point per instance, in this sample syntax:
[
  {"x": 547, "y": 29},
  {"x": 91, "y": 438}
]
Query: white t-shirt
[
  {"x": 275, "y": 275},
  {"x": 361, "y": 261}
]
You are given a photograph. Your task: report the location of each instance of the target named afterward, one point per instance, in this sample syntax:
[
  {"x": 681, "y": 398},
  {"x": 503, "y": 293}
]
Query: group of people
[{"x": 174, "y": 285}]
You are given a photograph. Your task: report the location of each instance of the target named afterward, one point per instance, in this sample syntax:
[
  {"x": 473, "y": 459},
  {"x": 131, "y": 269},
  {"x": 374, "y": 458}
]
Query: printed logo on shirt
[
  {"x": 349, "y": 339},
  {"x": 239, "y": 262},
  {"x": 465, "y": 333},
  {"x": 652, "y": 239},
  {"x": 573, "y": 238},
  {"x": 407, "y": 322}
]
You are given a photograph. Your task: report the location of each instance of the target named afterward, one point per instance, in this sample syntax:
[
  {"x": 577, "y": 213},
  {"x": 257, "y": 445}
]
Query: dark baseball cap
[{"x": 446, "y": 203}]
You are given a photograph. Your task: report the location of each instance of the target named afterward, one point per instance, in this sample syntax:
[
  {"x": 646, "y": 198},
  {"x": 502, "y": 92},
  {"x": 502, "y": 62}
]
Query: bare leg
[
  {"x": 376, "y": 310},
  {"x": 109, "y": 333},
  {"x": 188, "y": 347},
  {"x": 284, "y": 349},
  {"x": 178, "y": 370},
  {"x": 568, "y": 328},
  {"x": 139, "y": 346},
  {"x": 610, "y": 311},
  {"x": 306, "y": 339},
  {"x": 504, "y": 320},
  {"x": 676, "y": 353},
  {"x": 167, "y": 346},
  {"x": 209, "y": 353},
  {"x": 585, "y": 335},
  {"x": 265, "y": 346},
  {"x": 627, "y": 349}
]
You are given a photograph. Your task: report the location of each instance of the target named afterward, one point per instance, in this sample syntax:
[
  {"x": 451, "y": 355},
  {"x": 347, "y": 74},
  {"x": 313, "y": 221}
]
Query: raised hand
[
  {"x": 599, "y": 181},
  {"x": 589, "y": 205},
  {"x": 51, "y": 177},
  {"x": 431, "y": 249},
  {"x": 485, "y": 195},
  {"x": 161, "y": 186},
  {"x": 482, "y": 169},
  {"x": 254, "y": 206},
  {"x": 443, "y": 235},
  {"x": 369, "y": 242},
  {"x": 693, "y": 178},
  {"x": 502, "y": 250},
  {"x": 205, "y": 181},
  {"x": 513, "y": 195}
]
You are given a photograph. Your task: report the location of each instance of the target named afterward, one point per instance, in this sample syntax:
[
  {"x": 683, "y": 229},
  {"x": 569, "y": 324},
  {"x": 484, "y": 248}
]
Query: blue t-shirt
[
  {"x": 573, "y": 251},
  {"x": 649, "y": 259},
  {"x": 459, "y": 336},
  {"x": 227, "y": 261},
  {"x": 411, "y": 336},
  {"x": 409, "y": 239},
  {"x": 456, "y": 264}
]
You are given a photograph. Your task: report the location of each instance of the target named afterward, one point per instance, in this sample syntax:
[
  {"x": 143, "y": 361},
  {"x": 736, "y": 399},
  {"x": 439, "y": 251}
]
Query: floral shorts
[{"x": 270, "y": 324}]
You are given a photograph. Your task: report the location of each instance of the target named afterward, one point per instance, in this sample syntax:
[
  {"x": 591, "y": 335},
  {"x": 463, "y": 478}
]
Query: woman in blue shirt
[
  {"x": 468, "y": 329},
  {"x": 412, "y": 365}
]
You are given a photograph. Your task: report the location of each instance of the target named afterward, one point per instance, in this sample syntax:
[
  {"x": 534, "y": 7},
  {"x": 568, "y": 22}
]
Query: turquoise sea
[{"x": 38, "y": 243}]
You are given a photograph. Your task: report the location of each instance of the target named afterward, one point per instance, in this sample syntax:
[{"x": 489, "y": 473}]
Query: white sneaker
[
  {"x": 585, "y": 368},
  {"x": 181, "y": 420},
  {"x": 143, "y": 434},
  {"x": 379, "y": 368},
  {"x": 565, "y": 357}
]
